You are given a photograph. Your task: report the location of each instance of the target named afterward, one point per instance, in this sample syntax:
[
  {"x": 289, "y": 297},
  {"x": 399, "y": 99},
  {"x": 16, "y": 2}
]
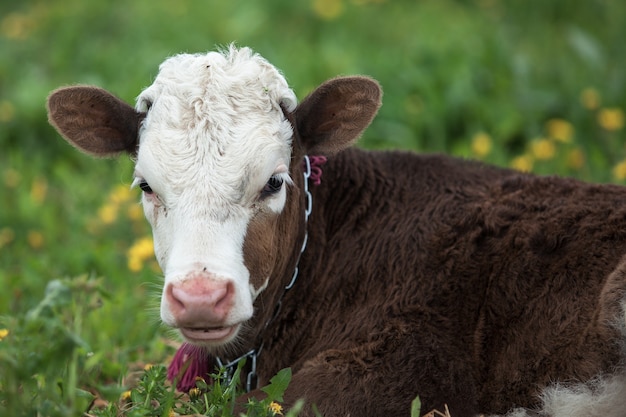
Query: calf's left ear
[
  {"x": 336, "y": 113},
  {"x": 94, "y": 121}
]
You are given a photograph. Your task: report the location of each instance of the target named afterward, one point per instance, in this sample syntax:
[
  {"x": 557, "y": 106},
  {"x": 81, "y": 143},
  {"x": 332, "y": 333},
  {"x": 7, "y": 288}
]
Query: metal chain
[
  {"x": 307, "y": 212},
  {"x": 251, "y": 379}
]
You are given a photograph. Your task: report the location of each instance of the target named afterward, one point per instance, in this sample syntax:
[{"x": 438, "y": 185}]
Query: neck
[{"x": 311, "y": 176}]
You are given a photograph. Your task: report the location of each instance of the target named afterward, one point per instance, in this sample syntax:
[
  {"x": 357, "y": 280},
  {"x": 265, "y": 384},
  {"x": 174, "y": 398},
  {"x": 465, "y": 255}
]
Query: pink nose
[{"x": 200, "y": 301}]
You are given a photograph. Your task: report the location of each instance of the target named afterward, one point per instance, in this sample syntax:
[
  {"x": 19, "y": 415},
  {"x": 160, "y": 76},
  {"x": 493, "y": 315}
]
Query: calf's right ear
[{"x": 94, "y": 121}]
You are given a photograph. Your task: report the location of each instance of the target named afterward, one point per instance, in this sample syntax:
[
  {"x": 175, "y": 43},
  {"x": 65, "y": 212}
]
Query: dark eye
[
  {"x": 145, "y": 187},
  {"x": 273, "y": 186}
]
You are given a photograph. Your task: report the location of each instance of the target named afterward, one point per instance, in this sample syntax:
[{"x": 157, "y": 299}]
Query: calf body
[{"x": 478, "y": 287}]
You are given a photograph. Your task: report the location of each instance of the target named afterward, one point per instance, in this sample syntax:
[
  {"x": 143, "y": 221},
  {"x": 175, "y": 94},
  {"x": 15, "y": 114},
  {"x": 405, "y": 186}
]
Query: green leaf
[
  {"x": 83, "y": 400},
  {"x": 277, "y": 386},
  {"x": 416, "y": 407}
]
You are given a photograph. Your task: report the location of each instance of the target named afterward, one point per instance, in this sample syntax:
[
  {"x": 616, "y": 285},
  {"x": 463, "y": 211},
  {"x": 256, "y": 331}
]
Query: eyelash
[
  {"x": 143, "y": 184},
  {"x": 273, "y": 185},
  {"x": 145, "y": 187}
]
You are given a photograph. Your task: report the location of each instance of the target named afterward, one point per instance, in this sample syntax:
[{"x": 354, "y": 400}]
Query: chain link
[{"x": 307, "y": 212}]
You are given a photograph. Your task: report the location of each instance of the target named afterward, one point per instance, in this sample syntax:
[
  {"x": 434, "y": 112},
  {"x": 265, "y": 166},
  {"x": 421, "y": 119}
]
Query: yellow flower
[
  {"x": 16, "y": 26},
  {"x": 275, "y": 408},
  {"x": 560, "y": 130},
  {"x": 522, "y": 163},
  {"x": 6, "y": 236},
  {"x": 619, "y": 171},
  {"x": 139, "y": 252},
  {"x": 481, "y": 144},
  {"x": 542, "y": 149},
  {"x": 135, "y": 264},
  {"x": 38, "y": 190},
  {"x": 575, "y": 159},
  {"x": 121, "y": 194},
  {"x": 3, "y": 333},
  {"x": 590, "y": 98},
  {"x": 195, "y": 392},
  {"x": 7, "y": 111},
  {"x": 147, "y": 366},
  {"x": 611, "y": 119},
  {"x": 135, "y": 212},
  {"x": 12, "y": 178},
  {"x": 107, "y": 213},
  {"x": 35, "y": 239},
  {"x": 125, "y": 396},
  {"x": 328, "y": 9}
]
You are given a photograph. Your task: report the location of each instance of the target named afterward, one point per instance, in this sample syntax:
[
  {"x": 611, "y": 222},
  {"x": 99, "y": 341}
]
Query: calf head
[{"x": 218, "y": 141}]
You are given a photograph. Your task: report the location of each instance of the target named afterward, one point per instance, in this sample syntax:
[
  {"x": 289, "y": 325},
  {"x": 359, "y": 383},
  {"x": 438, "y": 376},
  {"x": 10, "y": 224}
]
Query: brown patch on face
[{"x": 259, "y": 250}]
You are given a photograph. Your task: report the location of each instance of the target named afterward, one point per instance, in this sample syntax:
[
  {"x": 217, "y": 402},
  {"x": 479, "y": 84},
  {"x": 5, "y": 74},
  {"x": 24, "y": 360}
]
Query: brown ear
[
  {"x": 94, "y": 120},
  {"x": 333, "y": 116}
]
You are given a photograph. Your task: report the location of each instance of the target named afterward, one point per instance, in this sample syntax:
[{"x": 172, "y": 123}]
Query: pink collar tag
[{"x": 317, "y": 161}]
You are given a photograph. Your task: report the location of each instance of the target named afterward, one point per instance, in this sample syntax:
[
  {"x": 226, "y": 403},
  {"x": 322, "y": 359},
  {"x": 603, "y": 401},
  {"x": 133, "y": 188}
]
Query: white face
[{"x": 213, "y": 160}]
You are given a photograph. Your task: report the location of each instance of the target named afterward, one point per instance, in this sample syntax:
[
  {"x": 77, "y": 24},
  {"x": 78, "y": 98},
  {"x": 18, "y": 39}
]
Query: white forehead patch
[{"x": 220, "y": 111}]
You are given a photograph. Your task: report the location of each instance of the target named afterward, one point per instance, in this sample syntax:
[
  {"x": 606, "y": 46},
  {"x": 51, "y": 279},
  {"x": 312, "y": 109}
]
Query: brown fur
[
  {"x": 468, "y": 285},
  {"x": 462, "y": 283},
  {"x": 97, "y": 122}
]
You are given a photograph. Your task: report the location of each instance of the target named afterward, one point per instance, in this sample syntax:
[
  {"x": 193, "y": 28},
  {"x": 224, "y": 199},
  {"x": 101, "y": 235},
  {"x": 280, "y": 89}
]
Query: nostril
[
  {"x": 174, "y": 301},
  {"x": 224, "y": 301}
]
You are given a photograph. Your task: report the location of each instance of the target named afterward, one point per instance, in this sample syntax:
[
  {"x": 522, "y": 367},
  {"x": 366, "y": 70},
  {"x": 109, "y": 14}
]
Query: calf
[{"x": 399, "y": 275}]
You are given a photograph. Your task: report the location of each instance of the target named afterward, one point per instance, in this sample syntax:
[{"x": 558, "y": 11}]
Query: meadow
[{"x": 532, "y": 84}]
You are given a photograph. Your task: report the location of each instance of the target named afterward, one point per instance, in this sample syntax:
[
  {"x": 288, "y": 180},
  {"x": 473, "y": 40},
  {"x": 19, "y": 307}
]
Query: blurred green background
[{"x": 534, "y": 84}]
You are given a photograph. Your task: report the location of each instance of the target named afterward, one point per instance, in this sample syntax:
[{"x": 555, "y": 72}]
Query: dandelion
[
  {"x": 481, "y": 144},
  {"x": 560, "y": 130},
  {"x": 575, "y": 159},
  {"x": 619, "y": 171},
  {"x": 139, "y": 252},
  {"x": 275, "y": 408},
  {"x": 125, "y": 396},
  {"x": 6, "y": 236},
  {"x": 328, "y": 9},
  {"x": 522, "y": 163},
  {"x": 38, "y": 190},
  {"x": 194, "y": 393},
  {"x": 3, "y": 333},
  {"x": 611, "y": 119},
  {"x": 542, "y": 149},
  {"x": 35, "y": 239},
  {"x": 147, "y": 366},
  {"x": 11, "y": 178},
  {"x": 16, "y": 26},
  {"x": 135, "y": 212},
  {"x": 121, "y": 194},
  {"x": 108, "y": 213},
  {"x": 590, "y": 98},
  {"x": 7, "y": 111}
]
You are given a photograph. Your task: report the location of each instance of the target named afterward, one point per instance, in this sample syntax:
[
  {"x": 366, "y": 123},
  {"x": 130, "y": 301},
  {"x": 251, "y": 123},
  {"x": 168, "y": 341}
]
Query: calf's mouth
[{"x": 215, "y": 335}]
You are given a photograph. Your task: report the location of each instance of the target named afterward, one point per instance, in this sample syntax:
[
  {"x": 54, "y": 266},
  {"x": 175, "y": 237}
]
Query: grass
[{"x": 531, "y": 84}]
